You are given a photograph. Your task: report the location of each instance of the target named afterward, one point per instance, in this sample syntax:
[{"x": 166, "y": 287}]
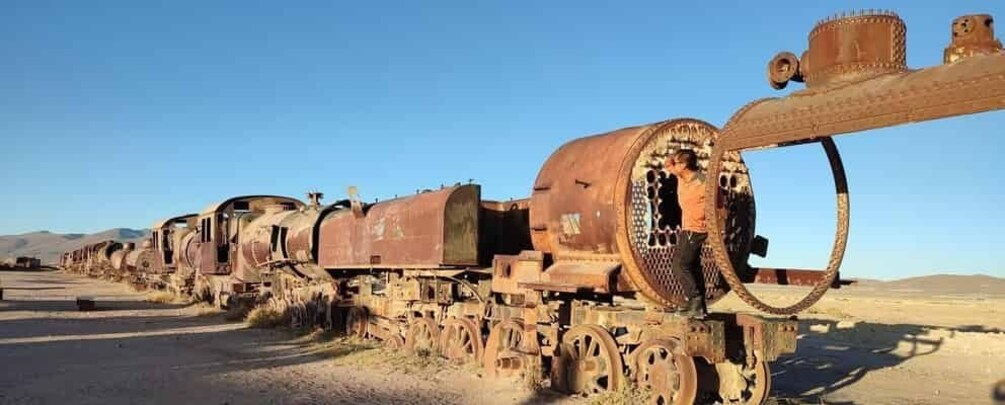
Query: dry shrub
[
  {"x": 263, "y": 318},
  {"x": 317, "y": 336},
  {"x": 338, "y": 347},
  {"x": 628, "y": 394},
  {"x": 356, "y": 352},
  {"x": 161, "y": 297}
]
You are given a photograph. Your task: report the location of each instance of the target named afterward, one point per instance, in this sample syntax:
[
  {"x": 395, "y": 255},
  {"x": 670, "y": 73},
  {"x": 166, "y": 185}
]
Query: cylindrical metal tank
[
  {"x": 301, "y": 240},
  {"x": 118, "y": 258},
  {"x": 608, "y": 198},
  {"x": 140, "y": 260},
  {"x": 190, "y": 251},
  {"x": 259, "y": 242},
  {"x": 427, "y": 230},
  {"x": 281, "y": 238}
]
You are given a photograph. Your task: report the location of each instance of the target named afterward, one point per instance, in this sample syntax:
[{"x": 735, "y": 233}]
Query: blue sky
[{"x": 117, "y": 113}]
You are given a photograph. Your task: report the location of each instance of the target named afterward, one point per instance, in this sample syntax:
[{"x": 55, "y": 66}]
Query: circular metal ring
[{"x": 837, "y": 252}]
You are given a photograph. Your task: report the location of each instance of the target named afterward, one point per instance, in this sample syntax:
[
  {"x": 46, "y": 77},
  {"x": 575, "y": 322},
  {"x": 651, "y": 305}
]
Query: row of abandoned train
[
  {"x": 536, "y": 282},
  {"x": 574, "y": 283}
]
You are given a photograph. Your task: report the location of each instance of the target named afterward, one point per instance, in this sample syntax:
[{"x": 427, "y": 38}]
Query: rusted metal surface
[
  {"x": 503, "y": 355},
  {"x": 576, "y": 280},
  {"x": 166, "y": 237},
  {"x": 972, "y": 35},
  {"x": 140, "y": 260},
  {"x": 504, "y": 229},
  {"x": 572, "y": 207},
  {"x": 190, "y": 251},
  {"x": 221, "y": 223},
  {"x": 857, "y": 99},
  {"x": 588, "y": 362},
  {"x": 281, "y": 239},
  {"x": 510, "y": 271},
  {"x": 667, "y": 371},
  {"x": 852, "y": 47},
  {"x": 118, "y": 257},
  {"x": 799, "y": 277},
  {"x": 461, "y": 340},
  {"x": 575, "y": 276},
  {"x": 608, "y": 198},
  {"x": 261, "y": 240},
  {"x": 300, "y": 244},
  {"x": 429, "y": 229}
]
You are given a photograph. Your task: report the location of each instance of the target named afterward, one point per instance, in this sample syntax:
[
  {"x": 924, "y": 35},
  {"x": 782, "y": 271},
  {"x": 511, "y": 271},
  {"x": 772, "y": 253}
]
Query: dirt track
[
  {"x": 131, "y": 351},
  {"x": 855, "y": 347}
]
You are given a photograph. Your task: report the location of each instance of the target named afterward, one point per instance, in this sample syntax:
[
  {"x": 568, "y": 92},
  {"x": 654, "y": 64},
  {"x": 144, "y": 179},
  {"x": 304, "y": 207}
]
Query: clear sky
[{"x": 117, "y": 113}]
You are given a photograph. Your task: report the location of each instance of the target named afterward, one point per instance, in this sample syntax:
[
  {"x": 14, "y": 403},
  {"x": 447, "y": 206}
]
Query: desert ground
[{"x": 866, "y": 344}]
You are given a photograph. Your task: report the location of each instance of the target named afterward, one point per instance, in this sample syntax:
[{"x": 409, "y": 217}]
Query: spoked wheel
[
  {"x": 461, "y": 340},
  {"x": 356, "y": 322},
  {"x": 394, "y": 342},
  {"x": 667, "y": 372},
  {"x": 298, "y": 316},
  {"x": 501, "y": 356},
  {"x": 589, "y": 362},
  {"x": 423, "y": 337},
  {"x": 276, "y": 304},
  {"x": 740, "y": 384}
]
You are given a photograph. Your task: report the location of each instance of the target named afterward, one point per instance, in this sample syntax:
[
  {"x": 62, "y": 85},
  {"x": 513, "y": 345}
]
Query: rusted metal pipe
[{"x": 855, "y": 82}]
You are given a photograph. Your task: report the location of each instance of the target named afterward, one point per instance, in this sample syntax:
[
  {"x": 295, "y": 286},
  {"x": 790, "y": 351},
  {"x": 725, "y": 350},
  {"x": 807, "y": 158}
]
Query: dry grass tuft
[
  {"x": 317, "y": 336},
  {"x": 161, "y": 297},
  {"x": 263, "y": 318},
  {"x": 206, "y": 309},
  {"x": 828, "y": 311},
  {"x": 628, "y": 394},
  {"x": 368, "y": 353}
]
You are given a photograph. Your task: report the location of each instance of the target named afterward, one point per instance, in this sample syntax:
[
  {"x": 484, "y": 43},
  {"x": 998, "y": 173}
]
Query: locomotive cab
[{"x": 165, "y": 237}]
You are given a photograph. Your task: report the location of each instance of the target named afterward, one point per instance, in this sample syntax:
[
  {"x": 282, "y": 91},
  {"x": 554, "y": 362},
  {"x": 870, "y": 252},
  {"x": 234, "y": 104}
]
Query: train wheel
[
  {"x": 501, "y": 357},
  {"x": 423, "y": 337},
  {"x": 461, "y": 340},
  {"x": 394, "y": 342},
  {"x": 665, "y": 370},
  {"x": 298, "y": 316},
  {"x": 739, "y": 384},
  {"x": 589, "y": 361},
  {"x": 356, "y": 322}
]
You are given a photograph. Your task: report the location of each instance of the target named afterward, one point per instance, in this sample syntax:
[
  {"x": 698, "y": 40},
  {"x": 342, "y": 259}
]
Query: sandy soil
[
  {"x": 872, "y": 345},
  {"x": 858, "y": 345},
  {"x": 130, "y": 351}
]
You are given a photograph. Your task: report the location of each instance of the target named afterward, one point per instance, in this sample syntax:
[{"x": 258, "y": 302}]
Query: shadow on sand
[
  {"x": 70, "y": 305},
  {"x": 832, "y": 355},
  {"x": 121, "y": 360}
]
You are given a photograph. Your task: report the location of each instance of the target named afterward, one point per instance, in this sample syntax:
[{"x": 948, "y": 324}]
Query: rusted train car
[
  {"x": 223, "y": 272},
  {"x": 574, "y": 282}
]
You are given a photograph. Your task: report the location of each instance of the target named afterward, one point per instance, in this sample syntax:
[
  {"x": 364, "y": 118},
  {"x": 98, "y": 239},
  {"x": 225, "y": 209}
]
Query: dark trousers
[{"x": 686, "y": 263}]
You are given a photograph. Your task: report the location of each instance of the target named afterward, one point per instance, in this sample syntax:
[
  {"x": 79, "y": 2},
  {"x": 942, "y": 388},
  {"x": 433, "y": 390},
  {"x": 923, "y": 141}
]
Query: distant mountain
[
  {"x": 48, "y": 246},
  {"x": 950, "y": 284}
]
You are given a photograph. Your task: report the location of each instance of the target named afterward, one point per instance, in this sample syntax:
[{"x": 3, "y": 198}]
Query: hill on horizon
[{"x": 48, "y": 246}]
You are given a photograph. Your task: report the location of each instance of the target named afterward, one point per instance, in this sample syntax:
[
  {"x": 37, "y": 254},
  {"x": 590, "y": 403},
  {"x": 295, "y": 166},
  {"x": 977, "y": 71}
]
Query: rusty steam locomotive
[{"x": 574, "y": 282}]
